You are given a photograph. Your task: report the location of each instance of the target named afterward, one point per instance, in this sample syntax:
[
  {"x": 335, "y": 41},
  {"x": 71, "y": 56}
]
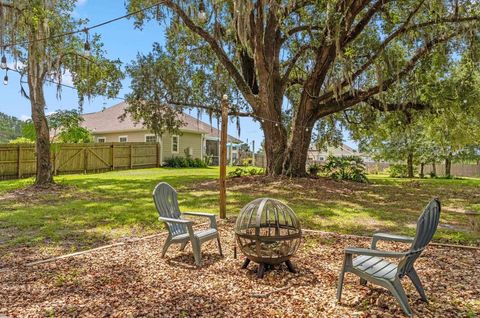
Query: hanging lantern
[
  {"x": 5, "y": 79},
  {"x": 202, "y": 15},
  {"x": 3, "y": 63},
  {"x": 86, "y": 46}
]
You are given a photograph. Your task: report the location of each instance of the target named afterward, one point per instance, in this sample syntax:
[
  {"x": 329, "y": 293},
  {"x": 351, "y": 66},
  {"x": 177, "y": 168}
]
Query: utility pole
[{"x": 223, "y": 158}]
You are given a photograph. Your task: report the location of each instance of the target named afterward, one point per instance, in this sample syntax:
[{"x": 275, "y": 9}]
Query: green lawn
[{"x": 100, "y": 207}]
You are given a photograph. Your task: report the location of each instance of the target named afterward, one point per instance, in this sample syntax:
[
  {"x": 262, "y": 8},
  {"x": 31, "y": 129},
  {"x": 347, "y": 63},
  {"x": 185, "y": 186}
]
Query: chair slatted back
[
  {"x": 426, "y": 227},
  {"x": 165, "y": 198}
]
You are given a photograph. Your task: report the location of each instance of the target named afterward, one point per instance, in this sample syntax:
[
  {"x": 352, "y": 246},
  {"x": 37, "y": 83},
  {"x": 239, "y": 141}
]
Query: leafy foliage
[
  {"x": 448, "y": 129},
  {"x": 245, "y": 171},
  {"x": 21, "y": 140},
  {"x": 66, "y": 127},
  {"x": 314, "y": 169},
  {"x": 298, "y": 62},
  {"x": 182, "y": 162},
  {"x": 10, "y": 127},
  {"x": 345, "y": 168},
  {"x": 33, "y": 35},
  {"x": 398, "y": 171}
]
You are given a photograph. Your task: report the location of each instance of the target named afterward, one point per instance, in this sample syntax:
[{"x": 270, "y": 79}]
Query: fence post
[
  {"x": 158, "y": 155},
  {"x": 85, "y": 160},
  {"x": 112, "y": 156},
  {"x": 131, "y": 156},
  {"x": 19, "y": 162}
]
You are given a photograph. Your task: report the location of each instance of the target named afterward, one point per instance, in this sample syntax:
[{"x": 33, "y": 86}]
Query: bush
[
  {"x": 247, "y": 161},
  {"x": 181, "y": 162},
  {"x": 433, "y": 174},
  {"x": 241, "y": 172},
  {"x": 399, "y": 171},
  {"x": 345, "y": 168},
  {"x": 21, "y": 140},
  {"x": 313, "y": 169}
]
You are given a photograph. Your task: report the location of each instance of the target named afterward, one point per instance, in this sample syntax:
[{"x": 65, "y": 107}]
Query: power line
[{"x": 86, "y": 29}]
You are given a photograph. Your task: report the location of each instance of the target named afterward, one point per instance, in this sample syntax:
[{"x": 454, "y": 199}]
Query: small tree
[
  {"x": 33, "y": 33},
  {"x": 65, "y": 127}
]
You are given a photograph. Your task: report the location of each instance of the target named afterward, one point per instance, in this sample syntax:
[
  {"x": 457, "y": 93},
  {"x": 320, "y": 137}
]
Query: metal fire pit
[{"x": 268, "y": 233}]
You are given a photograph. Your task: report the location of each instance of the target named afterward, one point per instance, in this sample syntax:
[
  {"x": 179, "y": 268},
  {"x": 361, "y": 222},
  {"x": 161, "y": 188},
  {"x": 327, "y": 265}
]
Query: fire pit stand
[{"x": 268, "y": 233}]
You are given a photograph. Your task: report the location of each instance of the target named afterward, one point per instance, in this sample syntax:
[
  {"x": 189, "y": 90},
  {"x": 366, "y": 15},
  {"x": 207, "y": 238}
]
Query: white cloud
[{"x": 25, "y": 117}]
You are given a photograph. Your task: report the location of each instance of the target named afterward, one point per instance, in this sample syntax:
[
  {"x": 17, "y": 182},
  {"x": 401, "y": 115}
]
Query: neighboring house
[
  {"x": 340, "y": 151},
  {"x": 196, "y": 138}
]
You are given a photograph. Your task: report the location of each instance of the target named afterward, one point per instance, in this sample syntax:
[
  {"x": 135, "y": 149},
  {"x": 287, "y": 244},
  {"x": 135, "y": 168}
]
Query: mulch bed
[{"x": 133, "y": 281}]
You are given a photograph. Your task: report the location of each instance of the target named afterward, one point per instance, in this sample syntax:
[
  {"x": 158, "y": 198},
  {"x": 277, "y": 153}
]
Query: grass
[{"x": 100, "y": 207}]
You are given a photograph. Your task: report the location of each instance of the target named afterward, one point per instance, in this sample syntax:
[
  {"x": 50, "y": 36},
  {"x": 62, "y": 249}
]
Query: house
[
  {"x": 196, "y": 138},
  {"x": 340, "y": 151}
]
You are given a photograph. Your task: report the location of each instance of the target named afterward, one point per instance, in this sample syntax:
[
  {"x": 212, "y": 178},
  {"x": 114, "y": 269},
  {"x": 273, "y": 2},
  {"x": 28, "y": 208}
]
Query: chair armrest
[
  {"x": 390, "y": 237},
  {"x": 179, "y": 221},
  {"x": 370, "y": 252},
  {"x": 211, "y": 216},
  {"x": 203, "y": 214}
]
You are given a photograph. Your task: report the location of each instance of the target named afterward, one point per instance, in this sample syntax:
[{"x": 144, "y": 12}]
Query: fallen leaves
[{"x": 134, "y": 281}]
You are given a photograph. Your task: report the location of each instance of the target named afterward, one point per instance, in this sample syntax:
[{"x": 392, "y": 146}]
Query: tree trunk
[
  {"x": 448, "y": 167},
  {"x": 44, "y": 167},
  {"x": 422, "y": 166},
  {"x": 295, "y": 159},
  {"x": 410, "y": 165},
  {"x": 36, "y": 74},
  {"x": 275, "y": 145}
]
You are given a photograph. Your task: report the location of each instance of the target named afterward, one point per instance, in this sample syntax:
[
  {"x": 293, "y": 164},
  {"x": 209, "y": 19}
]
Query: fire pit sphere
[{"x": 268, "y": 233}]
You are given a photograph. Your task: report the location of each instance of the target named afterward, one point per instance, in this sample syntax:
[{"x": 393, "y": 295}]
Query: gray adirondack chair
[
  {"x": 180, "y": 230},
  {"x": 371, "y": 266}
]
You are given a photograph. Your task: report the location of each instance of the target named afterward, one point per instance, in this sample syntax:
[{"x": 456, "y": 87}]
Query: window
[
  {"x": 123, "y": 138},
  {"x": 175, "y": 142},
  {"x": 101, "y": 139},
  {"x": 150, "y": 138}
]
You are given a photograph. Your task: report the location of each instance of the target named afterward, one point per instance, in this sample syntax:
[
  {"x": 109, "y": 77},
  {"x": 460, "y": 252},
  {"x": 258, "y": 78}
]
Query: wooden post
[
  {"x": 19, "y": 162},
  {"x": 131, "y": 156},
  {"x": 85, "y": 160},
  {"x": 158, "y": 154},
  {"x": 112, "y": 157},
  {"x": 223, "y": 158}
]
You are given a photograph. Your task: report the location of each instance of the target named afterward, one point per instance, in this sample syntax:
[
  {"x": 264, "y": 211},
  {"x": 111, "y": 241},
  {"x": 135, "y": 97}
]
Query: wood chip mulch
[{"x": 134, "y": 281}]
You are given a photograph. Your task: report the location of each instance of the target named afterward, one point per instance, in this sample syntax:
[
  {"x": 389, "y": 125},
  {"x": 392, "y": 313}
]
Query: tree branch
[
  {"x": 217, "y": 49},
  {"x": 402, "y": 30},
  {"x": 232, "y": 111},
  {"x": 360, "y": 26},
  {"x": 350, "y": 99},
  {"x": 293, "y": 61},
  {"x": 297, "y": 29},
  {"x": 389, "y": 107}
]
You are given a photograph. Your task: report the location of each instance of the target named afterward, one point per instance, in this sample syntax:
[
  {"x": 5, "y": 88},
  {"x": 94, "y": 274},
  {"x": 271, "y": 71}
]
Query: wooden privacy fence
[{"x": 19, "y": 160}]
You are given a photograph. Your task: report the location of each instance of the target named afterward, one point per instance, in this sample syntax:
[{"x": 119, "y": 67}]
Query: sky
[{"x": 121, "y": 40}]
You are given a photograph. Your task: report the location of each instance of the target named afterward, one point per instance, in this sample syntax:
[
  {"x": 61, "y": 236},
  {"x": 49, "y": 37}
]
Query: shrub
[
  {"x": 181, "y": 162},
  {"x": 399, "y": 171},
  {"x": 247, "y": 161},
  {"x": 21, "y": 140},
  {"x": 345, "y": 168},
  {"x": 313, "y": 169},
  {"x": 433, "y": 174},
  {"x": 240, "y": 172}
]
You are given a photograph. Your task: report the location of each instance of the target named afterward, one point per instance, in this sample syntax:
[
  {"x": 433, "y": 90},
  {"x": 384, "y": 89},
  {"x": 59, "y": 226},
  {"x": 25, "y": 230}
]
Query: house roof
[{"x": 107, "y": 121}]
